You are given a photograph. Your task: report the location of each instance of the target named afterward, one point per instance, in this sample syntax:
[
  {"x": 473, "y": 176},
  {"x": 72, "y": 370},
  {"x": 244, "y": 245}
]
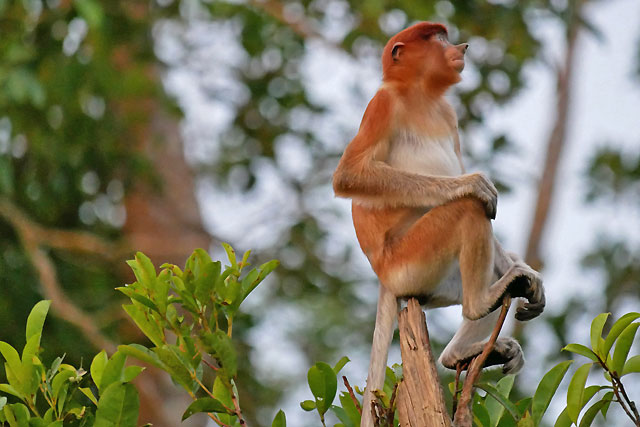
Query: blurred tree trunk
[
  {"x": 555, "y": 142},
  {"x": 165, "y": 222}
]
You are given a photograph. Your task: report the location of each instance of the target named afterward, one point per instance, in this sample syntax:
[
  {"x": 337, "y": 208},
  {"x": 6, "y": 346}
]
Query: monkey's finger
[
  {"x": 491, "y": 208},
  {"x": 529, "y": 311}
]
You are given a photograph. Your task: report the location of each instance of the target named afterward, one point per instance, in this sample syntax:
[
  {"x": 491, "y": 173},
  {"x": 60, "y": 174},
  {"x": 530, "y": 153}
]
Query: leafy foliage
[
  {"x": 614, "y": 365},
  {"x": 51, "y": 396}
]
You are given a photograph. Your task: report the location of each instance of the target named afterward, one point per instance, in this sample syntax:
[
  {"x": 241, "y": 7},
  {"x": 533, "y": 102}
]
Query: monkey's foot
[{"x": 506, "y": 352}]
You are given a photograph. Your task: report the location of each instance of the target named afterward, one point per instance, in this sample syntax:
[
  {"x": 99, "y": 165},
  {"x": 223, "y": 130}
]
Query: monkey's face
[
  {"x": 443, "y": 61},
  {"x": 423, "y": 53}
]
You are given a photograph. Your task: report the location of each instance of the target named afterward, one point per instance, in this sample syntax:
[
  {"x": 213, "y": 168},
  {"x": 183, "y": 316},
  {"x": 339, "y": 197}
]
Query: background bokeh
[{"x": 166, "y": 125}]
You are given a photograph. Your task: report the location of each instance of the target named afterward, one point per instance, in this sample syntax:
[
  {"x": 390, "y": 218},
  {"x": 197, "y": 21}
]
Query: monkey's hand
[
  {"x": 478, "y": 185},
  {"x": 528, "y": 284}
]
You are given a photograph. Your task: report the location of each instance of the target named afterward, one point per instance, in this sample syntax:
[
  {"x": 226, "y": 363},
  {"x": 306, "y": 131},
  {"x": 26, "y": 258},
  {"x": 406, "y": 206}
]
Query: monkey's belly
[{"x": 403, "y": 271}]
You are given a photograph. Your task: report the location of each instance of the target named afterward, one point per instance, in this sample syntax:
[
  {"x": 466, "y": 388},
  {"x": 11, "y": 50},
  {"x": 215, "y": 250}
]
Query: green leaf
[
  {"x": 205, "y": 404},
  {"x": 480, "y": 415},
  {"x": 221, "y": 392},
  {"x": 62, "y": 396},
  {"x": 249, "y": 282},
  {"x": 596, "y": 333},
  {"x": 632, "y": 365},
  {"x": 245, "y": 258},
  {"x": 206, "y": 280},
  {"x": 350, "y": 408},
  {"x": 264, "y": 271},
  {"x": 113, "y": 370},
  {"x": 546, "y": 390},
  {"x": 575, "y": 393},
  {"x": 591, "y": 413},
  {"x": 118, "y": 406},
  {"x": 221, "y": 347},
  {"x": 130, "y": 372},
  {"x": 495, "y": 408},
  {"x": 144, "y": 301},
  {"x": 589, "y": 392},
  {"x": 563, "y": 419},
  {"x": 526, "y": 421},
  {"x": 144, "y": 270},
  {"x": 13, "y": 359},
  {"x": 6, "y": 388},
  {"x": 308, "y": 405},
  {"x": 231, "y": 254},
  {"x": 623, "y": 345},
  {"x": 503, "y": 400},
  {"x": 59, "y": 380},
  {"x": 176, "y": 367},
  {"x": 147, "y": 326},
  {"x": 141, "y": 353},
  {"x": 581, "y": 350},
  {"x": 18, "y": 413},
  {"x": 35, "y": 321},
  {"x": 338, "y": 367},
  {"x": 323, "y": 385},
  {"x": 30, "y": 378},
  {"x": 3, "y": 401},
  {"x": 608, "y": 398},
  {"x": 97, "y": 367},
  {"x": 87, "y": 392},
  {"x": 280, "y": 420},
  {"x": 342, "y": 416},
  {"x": 617, "y": 328}
]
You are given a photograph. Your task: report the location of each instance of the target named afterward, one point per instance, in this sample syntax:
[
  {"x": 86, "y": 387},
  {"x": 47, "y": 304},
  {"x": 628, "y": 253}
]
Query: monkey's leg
[
  {"x": 469, "y": 342},
  {"x": 477, "y": 264},
  {"x": 385, "y": 319}
]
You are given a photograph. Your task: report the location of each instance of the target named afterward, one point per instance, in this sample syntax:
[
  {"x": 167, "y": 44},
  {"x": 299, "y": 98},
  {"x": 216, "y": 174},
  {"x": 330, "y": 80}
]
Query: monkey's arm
[{"x": 363, "y": 174}]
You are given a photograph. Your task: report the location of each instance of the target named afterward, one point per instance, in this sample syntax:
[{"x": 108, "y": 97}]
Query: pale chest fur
[{"x": 422, "y": 154}]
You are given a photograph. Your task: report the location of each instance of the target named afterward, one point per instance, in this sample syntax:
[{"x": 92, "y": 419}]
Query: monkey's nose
[{"x": 465, "y": 47}]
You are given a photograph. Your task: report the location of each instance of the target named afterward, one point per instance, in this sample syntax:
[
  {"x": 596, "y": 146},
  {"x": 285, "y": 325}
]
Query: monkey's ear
[{"x": 396, "y": 50}]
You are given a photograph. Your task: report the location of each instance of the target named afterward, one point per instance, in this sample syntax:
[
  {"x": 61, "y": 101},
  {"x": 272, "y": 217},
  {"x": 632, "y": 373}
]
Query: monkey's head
[{"x": 422, "y": 53}]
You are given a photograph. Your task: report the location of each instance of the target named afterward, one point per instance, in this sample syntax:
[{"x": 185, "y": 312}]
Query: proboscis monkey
[{"x": 423, "y": 223}]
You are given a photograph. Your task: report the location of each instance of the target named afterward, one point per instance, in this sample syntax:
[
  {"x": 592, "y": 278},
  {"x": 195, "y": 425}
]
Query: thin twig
[
  {"x": 630, "y": 402},
  {"x": 374, "y": 412},
  {"x": 621, "y": 402},
  {"x": 236, "y": 405},
  {"x": 456, "y": 391},
  {"x": 462, "y": 414},
  {"x": 217, "y": 420},
  {"x": 618, "y": 387},
  {"x": 391, "y": 411},
  {"x": 209, "y": 364},
  {"x": 352, "y": 394}
]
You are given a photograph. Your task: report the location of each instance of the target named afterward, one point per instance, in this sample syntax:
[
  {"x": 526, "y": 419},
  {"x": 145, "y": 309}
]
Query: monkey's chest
[{"x": 424, "y": 155}]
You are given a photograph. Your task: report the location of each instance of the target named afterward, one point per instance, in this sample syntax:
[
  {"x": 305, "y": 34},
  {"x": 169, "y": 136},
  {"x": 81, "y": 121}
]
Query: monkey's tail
[{"x": 385, "y": 320}]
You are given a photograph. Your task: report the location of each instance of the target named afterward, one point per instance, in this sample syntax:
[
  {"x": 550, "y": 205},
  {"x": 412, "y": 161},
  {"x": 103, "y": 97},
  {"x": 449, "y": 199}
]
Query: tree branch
[
  {"x": 463, "y": 416},
  {"x": 420, "y": 396},
  {"x": 32, "y": 236}
]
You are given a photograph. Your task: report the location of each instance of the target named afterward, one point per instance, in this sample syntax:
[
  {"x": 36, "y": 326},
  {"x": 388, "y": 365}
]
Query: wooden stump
[{"x": 420, "y": 397}]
